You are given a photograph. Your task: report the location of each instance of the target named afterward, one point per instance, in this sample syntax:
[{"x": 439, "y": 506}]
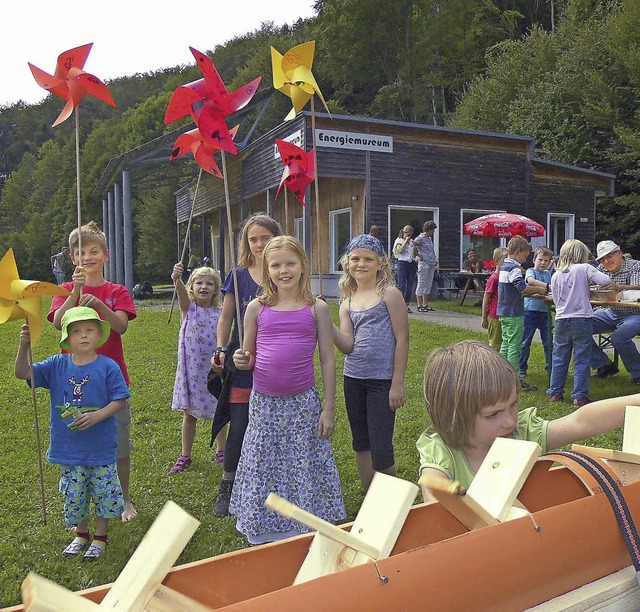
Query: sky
[{"x": 129, "y": 37}]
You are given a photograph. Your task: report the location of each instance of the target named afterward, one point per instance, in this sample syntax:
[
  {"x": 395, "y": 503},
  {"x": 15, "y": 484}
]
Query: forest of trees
[{"x": 566, "y": 72}]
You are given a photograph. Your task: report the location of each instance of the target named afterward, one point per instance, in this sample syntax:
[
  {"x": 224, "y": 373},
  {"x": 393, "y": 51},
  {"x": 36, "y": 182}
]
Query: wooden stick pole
[
  {"x": 37, "y": 429},
  {"x": 78, "y": 207},
  {"x": 232, "y": 255},
  {"x": 315, "y": 163},
  {"x": 186, "y": 241},
  {"x": 286, "y": 211}
]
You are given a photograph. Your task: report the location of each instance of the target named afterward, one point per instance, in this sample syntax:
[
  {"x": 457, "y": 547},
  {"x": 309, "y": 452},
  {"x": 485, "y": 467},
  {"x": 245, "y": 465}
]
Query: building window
[
  {"x": 560, "y": 228},
  {"x": 298, "y": 229},
  {"x": 415, "y": 217},
  {"x": 339, "y": 236},
  {"x": 215, "y": 253}
]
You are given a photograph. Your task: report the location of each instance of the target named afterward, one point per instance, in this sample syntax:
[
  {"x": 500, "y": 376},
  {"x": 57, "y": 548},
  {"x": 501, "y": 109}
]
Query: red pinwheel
[
  {"x": 209, "y": 103},
  {"x": 299, "y": 169},
  {"x": 504, "y": 225},
  {"x": 203, "y": 151},
  {"x": 71, "y": 82}
]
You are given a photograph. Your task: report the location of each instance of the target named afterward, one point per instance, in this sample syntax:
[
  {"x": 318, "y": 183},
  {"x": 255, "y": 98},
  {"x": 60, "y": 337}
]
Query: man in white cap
[{"x": 624, "y": 322}]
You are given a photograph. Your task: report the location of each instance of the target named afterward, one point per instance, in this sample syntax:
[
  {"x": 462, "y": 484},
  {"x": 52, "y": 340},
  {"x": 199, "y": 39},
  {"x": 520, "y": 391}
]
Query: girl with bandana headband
[{"x": 374, "y": 336}]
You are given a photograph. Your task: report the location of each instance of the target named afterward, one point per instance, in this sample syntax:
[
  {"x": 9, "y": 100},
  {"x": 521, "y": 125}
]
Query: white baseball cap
[{"x": 605, "y": 247}]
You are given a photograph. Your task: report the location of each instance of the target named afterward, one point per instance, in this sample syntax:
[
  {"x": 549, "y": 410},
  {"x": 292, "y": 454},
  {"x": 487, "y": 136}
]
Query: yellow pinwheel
[
  {"x": 293, "y": 77},
  {"x": 22, "y": 299}
]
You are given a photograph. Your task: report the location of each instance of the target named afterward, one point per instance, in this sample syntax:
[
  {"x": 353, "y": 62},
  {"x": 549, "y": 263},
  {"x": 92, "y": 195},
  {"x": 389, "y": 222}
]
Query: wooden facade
[{"x": 425, "y": 172}]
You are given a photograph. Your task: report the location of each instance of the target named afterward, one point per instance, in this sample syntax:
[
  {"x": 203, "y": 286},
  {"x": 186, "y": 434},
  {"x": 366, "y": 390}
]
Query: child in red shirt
[{"x": 490, "y": 319}]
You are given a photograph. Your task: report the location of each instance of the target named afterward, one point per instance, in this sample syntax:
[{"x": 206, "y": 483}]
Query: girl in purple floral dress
[
  {"x": 286, "y": 448},
  {"x": 199, "y": 304}
]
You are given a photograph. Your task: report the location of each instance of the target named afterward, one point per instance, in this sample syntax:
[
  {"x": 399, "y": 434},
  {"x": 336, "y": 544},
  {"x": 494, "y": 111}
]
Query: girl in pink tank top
[{"x": 286, "y": 448}]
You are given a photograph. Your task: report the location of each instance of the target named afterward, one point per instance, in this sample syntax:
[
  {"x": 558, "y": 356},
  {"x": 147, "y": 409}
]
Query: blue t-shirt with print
[
  {"x": 533, "y": 304},
  {"x": 88, "y": 387}
]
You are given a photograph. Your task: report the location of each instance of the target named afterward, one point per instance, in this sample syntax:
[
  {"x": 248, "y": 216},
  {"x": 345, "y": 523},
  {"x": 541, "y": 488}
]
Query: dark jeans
[
  {"x": 407, "y": 271},
  {"x": 238, "y": 421}
]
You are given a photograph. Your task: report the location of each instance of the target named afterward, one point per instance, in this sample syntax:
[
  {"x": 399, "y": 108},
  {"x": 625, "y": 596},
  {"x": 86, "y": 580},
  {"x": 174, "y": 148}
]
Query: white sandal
[
  {"x": 93, "y": 552},
  {"x": 75, "y": 547}
]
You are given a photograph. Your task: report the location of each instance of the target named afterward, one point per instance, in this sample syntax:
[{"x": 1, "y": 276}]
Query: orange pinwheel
[
  {"x": 203, "y": 151},
  {"x": 209, "y": 103},
  {"x": 22, "y": 299},
  {"x": 71, "y": 82},
  {"x": 299, "y": 169},
  {"x": 293, "y": 77}
]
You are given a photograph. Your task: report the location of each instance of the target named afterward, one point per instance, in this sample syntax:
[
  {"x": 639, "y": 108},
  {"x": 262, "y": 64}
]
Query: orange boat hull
[{"x": 572, "y": 538}]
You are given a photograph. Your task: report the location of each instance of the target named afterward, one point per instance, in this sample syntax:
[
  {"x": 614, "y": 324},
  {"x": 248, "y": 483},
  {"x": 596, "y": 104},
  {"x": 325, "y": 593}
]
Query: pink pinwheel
[
  {"x": 71, "y": 82},
  {"x": 203, "y": 151},
  {"x": 299, "y": 169},
  {"x": 209, "y": 103}
]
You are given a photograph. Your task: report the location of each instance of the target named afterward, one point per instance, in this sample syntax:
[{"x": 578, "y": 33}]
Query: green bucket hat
[{"x": 82, "y": 313}]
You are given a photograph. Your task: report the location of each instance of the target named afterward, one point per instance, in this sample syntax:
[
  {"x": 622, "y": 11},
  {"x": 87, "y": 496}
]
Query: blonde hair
[
  {"x": 572, "y": 252},
  {"x": 245, "y": 257},
  {"x": 518, "y": 243},
  {"x": 406, "y": 228},
  {"x": 89, "y": 234},
  {"x": 269, "y": 295},
  {"x": 460, "y": 380},
  {"x": 499, "y": 253},
  {"x": 348, "y": 285},
  {"x": 204, "y": 271}
]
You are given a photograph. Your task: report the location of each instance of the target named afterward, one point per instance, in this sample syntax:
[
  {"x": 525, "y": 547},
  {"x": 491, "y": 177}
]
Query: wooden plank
[
  {"x": 154, "y": 557},
  {"x": 286, "y": 508},
  {"x": 170, "y": 600},
  {"x": 466, "y": 509},
  {"x": 42, "y": 595},
  {"x": 379, "y": 522},
  {"x": 617, "y": 592},
  {"x": 630, "y": 436},
  {"x": 502, "y": 474},
  {"x": 606, "y": 453}
]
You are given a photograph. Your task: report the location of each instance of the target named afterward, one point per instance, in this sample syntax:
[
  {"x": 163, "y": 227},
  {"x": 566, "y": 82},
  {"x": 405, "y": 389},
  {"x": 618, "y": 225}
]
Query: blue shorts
[{"x": 82, "y": 484}]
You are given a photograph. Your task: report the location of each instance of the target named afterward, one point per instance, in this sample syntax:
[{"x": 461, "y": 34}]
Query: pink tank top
[{"x": 285, "y": 345}]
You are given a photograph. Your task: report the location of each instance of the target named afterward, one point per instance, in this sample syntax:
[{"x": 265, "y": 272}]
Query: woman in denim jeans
[
  {"x": 573, "y": 329},
  {"x": 407, "y": 267}
]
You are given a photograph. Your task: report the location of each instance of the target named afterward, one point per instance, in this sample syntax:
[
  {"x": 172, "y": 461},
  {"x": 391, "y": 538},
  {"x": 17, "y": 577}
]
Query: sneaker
[
  {"x": 93, "y": 552},
  {"x": 75, "y": 547},
  {"x": 527, "y": 387},
  {"x": 556, "y": 398},
  {"x": 409, "y": 310},
  {"x": 224, "y": 498},
  {"x": 220, "y": 457},
  {"x": 608, "y": 370},
  {"x": 181, "y": 464},
  {"x": 581, "y": 402}
]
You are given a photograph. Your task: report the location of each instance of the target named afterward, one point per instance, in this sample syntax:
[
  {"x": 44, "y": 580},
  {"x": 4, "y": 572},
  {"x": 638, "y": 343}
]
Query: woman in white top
[{"x": 404, "y": 251}]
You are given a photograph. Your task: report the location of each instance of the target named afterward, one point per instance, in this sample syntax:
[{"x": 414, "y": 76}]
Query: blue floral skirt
[{"x": 283, "y": 453}]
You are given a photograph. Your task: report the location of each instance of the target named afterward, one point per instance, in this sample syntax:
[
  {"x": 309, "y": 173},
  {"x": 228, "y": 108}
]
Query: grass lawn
[{"x": 26, "y": 544}]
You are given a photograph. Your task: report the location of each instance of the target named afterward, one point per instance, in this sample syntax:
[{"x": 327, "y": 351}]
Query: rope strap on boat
[{"x": 617, "y": 501}]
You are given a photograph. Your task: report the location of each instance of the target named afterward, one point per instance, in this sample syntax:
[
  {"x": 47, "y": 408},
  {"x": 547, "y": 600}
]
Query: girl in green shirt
[{"x": 472, "y": 392}]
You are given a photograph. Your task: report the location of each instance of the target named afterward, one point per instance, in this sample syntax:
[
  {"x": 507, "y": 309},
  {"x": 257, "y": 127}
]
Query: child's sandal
[
  {"x": 93, "y": 552},
  {"x": 76, "y": 546}
]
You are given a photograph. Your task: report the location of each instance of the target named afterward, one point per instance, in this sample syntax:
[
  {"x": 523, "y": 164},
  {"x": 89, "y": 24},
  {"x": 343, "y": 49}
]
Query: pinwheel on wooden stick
[
  {"x": 292, "y": 76},
  {"x": 22, "y": 299},
  {"x": 71, "y": 83},
  {"x": 209, "y": 102},
  {"x": 204, "y": 154}
]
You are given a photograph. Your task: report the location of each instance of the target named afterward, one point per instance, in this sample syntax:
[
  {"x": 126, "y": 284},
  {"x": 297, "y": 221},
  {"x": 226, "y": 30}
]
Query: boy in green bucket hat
[{"x": 87, "y": 390}]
